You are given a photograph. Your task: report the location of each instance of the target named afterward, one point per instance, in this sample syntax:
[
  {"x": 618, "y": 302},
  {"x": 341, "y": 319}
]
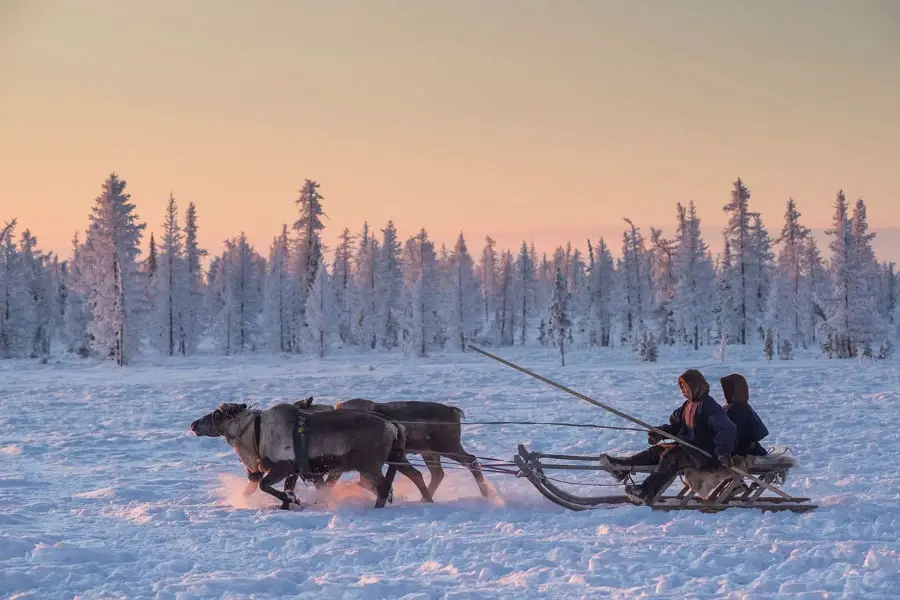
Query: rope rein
[{"x": 553, "y": 423}]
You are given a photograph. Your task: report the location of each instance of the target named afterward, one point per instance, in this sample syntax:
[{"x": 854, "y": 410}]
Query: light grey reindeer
[{"x": 281, "y": 441}]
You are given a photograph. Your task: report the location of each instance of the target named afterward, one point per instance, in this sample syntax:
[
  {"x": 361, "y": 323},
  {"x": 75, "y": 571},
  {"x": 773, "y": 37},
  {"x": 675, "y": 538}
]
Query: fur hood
[
  {"x": 735, "y": 388},
  {"x": 696, "y": 383}
]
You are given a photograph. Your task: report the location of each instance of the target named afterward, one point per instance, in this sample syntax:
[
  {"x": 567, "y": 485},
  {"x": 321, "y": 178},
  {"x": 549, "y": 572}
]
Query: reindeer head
[{"x": 216, "y": 423}]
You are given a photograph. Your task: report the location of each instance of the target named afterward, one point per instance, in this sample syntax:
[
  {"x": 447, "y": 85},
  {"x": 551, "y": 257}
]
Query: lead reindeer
[
  {"x": 282, "y": 441},
  {"x": 433, "y": 430}
]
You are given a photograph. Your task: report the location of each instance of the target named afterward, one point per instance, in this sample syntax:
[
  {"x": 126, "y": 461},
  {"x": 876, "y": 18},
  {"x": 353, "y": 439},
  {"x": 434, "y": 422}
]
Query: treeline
[{"x": 381, "y": 292}]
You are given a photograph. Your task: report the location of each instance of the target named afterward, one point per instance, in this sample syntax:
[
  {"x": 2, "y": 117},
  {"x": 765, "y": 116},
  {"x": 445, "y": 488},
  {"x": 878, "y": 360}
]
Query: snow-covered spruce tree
[
  {"x": 738, "y": 236},
  {"x": 442, "y": 268},
  {"x": 13, "y": 322},
  {"x": 635, "y": 285},
  {"x": 110, "y": 277},
  {"x": 868, "y": 325},
  {"x": 544, "y": 287},
  {"x": 57, "y": 276},
  {"x": 841, "y": 268},
  {"x": 389, "y": 285},
  {"x": 144, "y": 303},
  {"x": 815, "y": 292},
  {"x": 39, "y": 296},
  {"x": 694, "y": 273},
  {"x": 462, "y": 297},
  {"x": 560, "y": 323},
  {"x": 236, "y": 282},
  {"x": 488, "y": 274},
  {"x": 321, "y": 313},
  {"x": 865, "y": 350},
  {"x": 894, "y": 318},
  {"x": 887, "y": 295},
  {"x": 170, "y": 289},
  {"x": 727, "y": 317},
  {"x": 721, "y": 347},
  {"x": 77, "y": 316},
  {"x": 365, "y": 289},
  {"x": 603, "y": 293},
  {"x": 308, "y": 250},
  {"x": 279, "y": 297},
  {"x": 525, "y": 284},
  {"x": 663, "y": 282},
  {"x": 152, "y": 262},
  {"x": 420, "y": 277},
  {"x": 342, "y": 275},
  {"x": 542, "y": 333},
  {"x": 787, "y": 305},
  {"x": 648, "y": 349},
  {"x": 785, "y": 349},
  {"x": 505, "y": 318},
  {"x": 589, "y": 324},
  {"x": 768, "y": 345},
  {"x": 579, "y": 287},
  {"x": 194, "y": 321},
  {"x": 216, "y": 301},
  {"x": 886, "y": 350},
  {"x": 760, "y": 270},
  {"x": 853, "y": 319}
]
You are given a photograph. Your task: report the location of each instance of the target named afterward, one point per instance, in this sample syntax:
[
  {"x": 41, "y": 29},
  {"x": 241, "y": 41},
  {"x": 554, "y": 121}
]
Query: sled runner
[{"x": 706, "y": 490}]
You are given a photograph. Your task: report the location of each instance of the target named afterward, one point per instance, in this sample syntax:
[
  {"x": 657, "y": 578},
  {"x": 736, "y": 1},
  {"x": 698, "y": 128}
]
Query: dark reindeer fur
[{"x": 432, "y": 430}]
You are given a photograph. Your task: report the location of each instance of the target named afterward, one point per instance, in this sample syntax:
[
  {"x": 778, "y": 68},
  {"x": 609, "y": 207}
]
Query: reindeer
[
  {"x": 432, "y": 430},
  {"x": 282, "y": 442}
]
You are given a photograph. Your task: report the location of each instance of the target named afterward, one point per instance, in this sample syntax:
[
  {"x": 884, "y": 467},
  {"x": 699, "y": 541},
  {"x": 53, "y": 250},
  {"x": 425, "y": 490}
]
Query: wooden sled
[{"x": 709, "y": 490}]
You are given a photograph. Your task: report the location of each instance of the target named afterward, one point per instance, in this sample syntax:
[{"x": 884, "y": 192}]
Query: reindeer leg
[
  {"x": 433, "y": 462},
  {"x": 400, "y": 463},
  {"x": 470, "y": 462},
  {"x": 385, "y": 488},
  {"x": 252, "y": 483},
  {"x": 279, "y": 471},
  {"x": 370, "y": 484},
  {"x": 290, "y": 483},
  {"x": 380, "y": 484}
]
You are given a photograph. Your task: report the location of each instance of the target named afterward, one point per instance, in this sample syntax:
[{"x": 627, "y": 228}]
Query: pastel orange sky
[{"x": 548, "y": 121}]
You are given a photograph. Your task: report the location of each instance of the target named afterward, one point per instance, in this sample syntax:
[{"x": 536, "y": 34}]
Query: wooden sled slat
[{"x": 731, "y": 492}]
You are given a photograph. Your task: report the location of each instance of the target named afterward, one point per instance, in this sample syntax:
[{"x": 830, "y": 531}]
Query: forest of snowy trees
[{"x": 381, "y": 292}]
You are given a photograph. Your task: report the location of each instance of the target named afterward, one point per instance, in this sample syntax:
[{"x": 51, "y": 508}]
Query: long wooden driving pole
[{"x": 628, "y": 417}]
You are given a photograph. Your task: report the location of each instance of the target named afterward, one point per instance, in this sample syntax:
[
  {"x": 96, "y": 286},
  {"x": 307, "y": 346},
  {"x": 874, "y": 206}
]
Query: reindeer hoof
[{"x": 290, "y": 498}]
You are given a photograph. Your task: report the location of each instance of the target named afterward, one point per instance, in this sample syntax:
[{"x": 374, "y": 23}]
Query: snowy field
[{"x": 104, "y": 493}]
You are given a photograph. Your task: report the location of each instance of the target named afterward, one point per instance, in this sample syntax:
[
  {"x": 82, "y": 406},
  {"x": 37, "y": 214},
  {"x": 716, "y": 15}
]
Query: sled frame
[{"x": 734, "y": 491}]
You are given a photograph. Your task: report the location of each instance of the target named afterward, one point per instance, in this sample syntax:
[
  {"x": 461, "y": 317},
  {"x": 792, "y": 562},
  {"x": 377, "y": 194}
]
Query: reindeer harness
[{"x": 301, "y": 448}]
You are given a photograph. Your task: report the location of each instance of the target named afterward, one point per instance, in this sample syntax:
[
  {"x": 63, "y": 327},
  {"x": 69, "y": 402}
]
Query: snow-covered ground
[{"x": 104, "y": 493}]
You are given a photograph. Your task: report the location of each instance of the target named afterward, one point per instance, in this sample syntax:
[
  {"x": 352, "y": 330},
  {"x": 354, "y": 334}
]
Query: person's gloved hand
[
  {"x": 654, "y": 438},
  {"x": 726, "y": 459}
]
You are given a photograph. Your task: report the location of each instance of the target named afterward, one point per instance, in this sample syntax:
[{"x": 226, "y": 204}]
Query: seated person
[
  {"x": 750, "y": 428},
  {"x": 700, "y": 421}
]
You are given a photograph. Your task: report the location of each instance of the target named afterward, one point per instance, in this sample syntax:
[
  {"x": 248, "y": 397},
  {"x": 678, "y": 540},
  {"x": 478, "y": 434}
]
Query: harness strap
[
  {"x": 257, "y": 425},
  {"x": 301, "y": 447}
]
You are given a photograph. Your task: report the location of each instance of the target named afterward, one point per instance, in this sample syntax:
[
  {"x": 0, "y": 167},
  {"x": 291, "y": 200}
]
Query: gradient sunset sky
[{"x": 545, "y": 121}]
